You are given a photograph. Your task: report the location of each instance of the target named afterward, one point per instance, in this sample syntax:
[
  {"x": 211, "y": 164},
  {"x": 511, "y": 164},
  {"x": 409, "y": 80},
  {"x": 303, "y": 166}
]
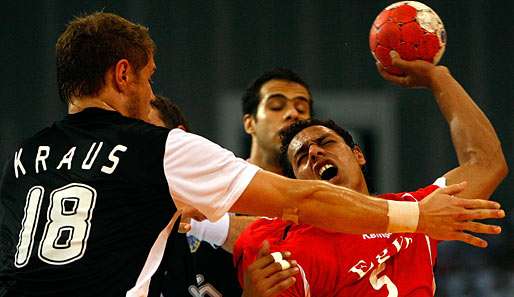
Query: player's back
[{"x": 81, "y": 204}]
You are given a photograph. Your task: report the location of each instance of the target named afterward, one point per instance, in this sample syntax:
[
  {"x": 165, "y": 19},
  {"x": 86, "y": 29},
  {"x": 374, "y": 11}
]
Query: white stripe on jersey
[
  {"x": 153, "y": 260},
  {"x": 429, "y": 250},
  {"x": 306, "y": 287}
]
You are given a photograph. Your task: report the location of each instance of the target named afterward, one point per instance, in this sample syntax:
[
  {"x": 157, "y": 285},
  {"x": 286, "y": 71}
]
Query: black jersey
[
  {"x": 81, "y": 204},
  {"x": 216, "y": 273},
  {"x": 206, "y": 271},
  {"x": 177, "y": 271}
]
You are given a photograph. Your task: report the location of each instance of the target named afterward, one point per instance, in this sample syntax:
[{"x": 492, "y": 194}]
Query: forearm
[
  {"x": 344, "y": 211},
  {"x": 478, "y": 149},
  {"x": 318, "y": 203},
  {"x": 237, "y": 225},
  {"x": 472, "y": 134},
  {"x": 481, "y": 161}
]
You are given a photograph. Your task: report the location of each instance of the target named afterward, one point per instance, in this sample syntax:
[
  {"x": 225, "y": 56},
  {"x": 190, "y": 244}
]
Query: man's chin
[{"x": 336, "y": 181}]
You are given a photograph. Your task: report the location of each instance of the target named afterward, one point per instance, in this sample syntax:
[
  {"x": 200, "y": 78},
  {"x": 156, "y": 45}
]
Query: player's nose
[
  {"x": 291, "y": 114},
  {"x": 315, "y": 152}
]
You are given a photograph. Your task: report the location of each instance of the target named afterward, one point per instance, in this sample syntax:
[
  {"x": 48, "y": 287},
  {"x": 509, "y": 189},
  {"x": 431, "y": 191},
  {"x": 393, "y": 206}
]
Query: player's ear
[
  {"x": 249, "y": 123},
  {"x": 359, "y": 155},
  {"x": 121, "y": 74}
]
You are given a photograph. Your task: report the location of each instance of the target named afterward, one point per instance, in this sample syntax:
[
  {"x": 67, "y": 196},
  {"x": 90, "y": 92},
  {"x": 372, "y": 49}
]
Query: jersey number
[
  {"x": 67, "y": 225},
  {"x": 378, "y": 282}
]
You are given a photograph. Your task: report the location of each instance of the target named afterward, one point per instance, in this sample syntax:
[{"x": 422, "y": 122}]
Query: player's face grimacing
[
  {"x": 282, "y": 103},
  {"x": 141, "y": 93},
  {"x": 319, "y": 153}
]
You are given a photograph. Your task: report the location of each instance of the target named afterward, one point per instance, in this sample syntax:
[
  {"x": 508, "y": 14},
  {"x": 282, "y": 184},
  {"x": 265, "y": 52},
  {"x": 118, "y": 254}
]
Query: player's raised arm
[{"x": 481, "y": 160}]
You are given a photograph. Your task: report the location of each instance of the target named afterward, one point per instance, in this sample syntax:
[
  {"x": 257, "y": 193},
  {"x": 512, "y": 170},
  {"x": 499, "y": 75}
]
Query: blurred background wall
[{"x": 208, "y": 51}]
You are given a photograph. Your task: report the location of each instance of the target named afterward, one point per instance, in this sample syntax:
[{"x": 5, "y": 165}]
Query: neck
[
  {"x": 79, "y": 104},
  {"x": 364, "y": 189},
  {"x": 107, "y": 98},
  {"x": 362, "y": 186},
  {"x": 264, "y": 160}
]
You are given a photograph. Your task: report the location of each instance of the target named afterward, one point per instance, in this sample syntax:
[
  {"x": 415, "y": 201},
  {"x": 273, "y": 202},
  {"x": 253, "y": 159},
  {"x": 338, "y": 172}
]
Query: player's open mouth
[{"x": 327, "y": 172}]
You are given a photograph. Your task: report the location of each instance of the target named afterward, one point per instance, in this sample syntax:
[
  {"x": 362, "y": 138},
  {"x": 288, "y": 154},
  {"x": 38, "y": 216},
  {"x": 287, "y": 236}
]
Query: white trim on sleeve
[
  {"x": 440, "y": 182},
  {"x": 204, "y": 175}
]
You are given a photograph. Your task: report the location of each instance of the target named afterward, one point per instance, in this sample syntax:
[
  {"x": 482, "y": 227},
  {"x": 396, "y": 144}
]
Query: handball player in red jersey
[{"x": 384, "y": 264}]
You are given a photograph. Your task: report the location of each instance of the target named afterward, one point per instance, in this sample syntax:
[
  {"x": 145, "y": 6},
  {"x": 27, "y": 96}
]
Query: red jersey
[{"x": 336, "y": 264}]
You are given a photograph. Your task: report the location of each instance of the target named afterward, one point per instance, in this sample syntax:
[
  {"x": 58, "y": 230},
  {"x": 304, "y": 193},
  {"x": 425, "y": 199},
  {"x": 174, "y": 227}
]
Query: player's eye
[
  {"x": 302, "y": 107},
  {"x": 327, "y": 142},
  {"x": 276, "y": 104},
  {"x": 301, "y": 159}
]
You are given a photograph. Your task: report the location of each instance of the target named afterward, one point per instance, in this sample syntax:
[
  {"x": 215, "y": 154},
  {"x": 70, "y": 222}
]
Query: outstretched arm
[
  {"x": 207, "y": 177},
  {"x": 481, "y": 160},
  {"x": 334, "y": 208}
]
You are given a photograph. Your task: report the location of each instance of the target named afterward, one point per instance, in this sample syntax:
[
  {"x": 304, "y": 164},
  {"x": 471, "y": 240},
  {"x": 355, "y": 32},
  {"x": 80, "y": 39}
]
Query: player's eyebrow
[
  {"x": 281, "y": 96},
  {"x": 277, "y": 96},
  {"x": 305, "y": 146},
  {"x": 302, "y": 98}
]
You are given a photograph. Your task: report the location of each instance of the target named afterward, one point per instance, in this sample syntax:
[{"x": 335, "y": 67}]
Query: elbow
[
  {"x": 494, "y": 164},
  {"x": 503, "y": 169},
  {"x": 497, "y": 169},
  {"x": 500, "y": 165}
]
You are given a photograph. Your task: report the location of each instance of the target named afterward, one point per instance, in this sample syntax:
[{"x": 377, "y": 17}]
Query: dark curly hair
[{"x": 290, "y": 132}]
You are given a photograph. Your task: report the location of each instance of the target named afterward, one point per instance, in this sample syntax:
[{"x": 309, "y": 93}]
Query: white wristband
[
  {"x": 403, "y": 216},
  {"x": 214, "y": 233}
]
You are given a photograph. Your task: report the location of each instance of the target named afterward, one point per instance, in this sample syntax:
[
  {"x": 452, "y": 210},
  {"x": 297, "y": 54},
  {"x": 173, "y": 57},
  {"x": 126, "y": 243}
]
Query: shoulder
[
  {"x": 250, "y": 240},
  {"x": 265, "y": 227},
  {"x": 44, "y": 134},
  {"x": 106, "y": 124},
  {"x": 417, "y": 195},
  {"x": 141, "y": 130}
]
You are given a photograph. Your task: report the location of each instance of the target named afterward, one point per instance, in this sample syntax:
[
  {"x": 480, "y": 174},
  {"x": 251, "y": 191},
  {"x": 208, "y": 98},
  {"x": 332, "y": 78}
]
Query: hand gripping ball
[{"x": 412, "y": 29}]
